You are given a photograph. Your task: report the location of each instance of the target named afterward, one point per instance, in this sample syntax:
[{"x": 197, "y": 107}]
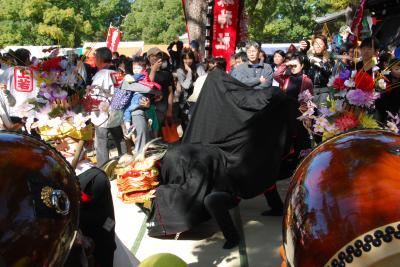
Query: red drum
[
  {"x": 39, "y": 203},
  {"x": 343, "y": 203}
]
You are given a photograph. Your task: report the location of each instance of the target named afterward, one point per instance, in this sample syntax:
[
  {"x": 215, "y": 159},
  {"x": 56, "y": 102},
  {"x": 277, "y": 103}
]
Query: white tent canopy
[
  {"x": 95, "y": 45},
  {"x": 37, "y": 51},
  {"x": 269, "y": 49}
]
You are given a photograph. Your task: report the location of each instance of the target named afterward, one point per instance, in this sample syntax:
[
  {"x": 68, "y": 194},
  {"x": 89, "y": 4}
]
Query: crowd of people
[{"x": 226, "y": 119}]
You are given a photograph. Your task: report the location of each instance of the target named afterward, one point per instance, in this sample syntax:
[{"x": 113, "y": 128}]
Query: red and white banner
[
  {"x": 226, "y": 16},
  {"x": 184, "y": 13},
  {"x": 23, "y": 80},
  {"x": 356, "y": 26},
  {"x": 113, "y": 38}
]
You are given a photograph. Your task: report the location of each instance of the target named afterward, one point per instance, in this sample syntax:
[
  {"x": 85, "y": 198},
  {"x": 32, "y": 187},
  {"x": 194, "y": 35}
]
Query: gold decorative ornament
[
  {"x": 46, "y": 196},
  {"x": 55, "y": 199}
]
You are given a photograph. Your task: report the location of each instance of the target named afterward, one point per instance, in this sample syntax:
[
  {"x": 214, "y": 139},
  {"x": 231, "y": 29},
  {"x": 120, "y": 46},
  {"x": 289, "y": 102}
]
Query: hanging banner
[
  {"x": 184, "y": 13},
  {"x": 113, "y": 38},
  {"x": 357, "y": 26},
  {"x": 226, "y": 16}
]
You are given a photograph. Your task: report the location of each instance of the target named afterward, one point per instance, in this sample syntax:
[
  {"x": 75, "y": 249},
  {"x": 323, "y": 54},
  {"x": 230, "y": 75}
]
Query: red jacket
[
  {"x": 147, "y": 82},
  {"x": 283, "y": 80}
]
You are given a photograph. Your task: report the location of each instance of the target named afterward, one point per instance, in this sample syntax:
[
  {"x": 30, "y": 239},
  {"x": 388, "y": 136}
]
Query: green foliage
[
  {"x": 154, "y": 21},
  {"x": 287, "y": 20},
  {"x": 62, "y": 22},
  {"x": 69, "y": 23}
]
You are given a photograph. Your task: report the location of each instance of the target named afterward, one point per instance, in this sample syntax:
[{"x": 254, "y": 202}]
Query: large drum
[
  {"x": 343, "y": 203},
  {"x": 39, "y": 203}
]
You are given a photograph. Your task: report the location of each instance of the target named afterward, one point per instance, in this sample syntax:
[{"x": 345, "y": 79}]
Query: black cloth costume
[
  {"x": 233, "y": 143},
  {"x": 97, "y": 215},
  {"x": 389, "y": 101}
]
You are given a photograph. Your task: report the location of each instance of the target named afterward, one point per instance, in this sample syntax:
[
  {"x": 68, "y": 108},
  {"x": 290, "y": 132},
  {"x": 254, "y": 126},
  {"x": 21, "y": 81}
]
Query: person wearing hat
[
  {"x": 341, "y": 38},
  {"x": 164, "y": 78}
]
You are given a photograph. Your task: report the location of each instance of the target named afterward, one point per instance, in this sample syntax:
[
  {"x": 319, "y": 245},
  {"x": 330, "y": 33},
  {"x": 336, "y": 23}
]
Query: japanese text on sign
[
  {"x": 23, "y": 80},
  {"x": 225, "y": 18},
  {"x": 223, "y": 3},
  {"x": 225, "y": 25}
]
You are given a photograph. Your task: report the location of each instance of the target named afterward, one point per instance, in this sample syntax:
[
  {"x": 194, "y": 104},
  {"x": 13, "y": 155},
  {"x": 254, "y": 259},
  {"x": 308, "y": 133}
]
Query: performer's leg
[
  {"x": 274, "y": 201},
  {"x": 139, "y": 121},
  {"x": 100, "y": 140},
  {"x": 118, "y": 137},
  {"x": 161, "y": 121},
  {"x": 218, "y": 205}
]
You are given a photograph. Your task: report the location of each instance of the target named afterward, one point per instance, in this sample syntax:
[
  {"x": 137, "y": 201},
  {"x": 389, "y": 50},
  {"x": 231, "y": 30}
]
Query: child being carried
[{"x": 134, "y": 97}]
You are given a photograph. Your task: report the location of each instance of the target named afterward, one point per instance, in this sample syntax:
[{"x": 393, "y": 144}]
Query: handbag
[{"x": 170, "y": 133}]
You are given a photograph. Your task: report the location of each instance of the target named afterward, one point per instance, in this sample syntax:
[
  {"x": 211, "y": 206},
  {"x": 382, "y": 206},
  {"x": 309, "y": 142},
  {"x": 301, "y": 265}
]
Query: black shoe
[
  {"x": 229, "y": 244},
  {"x": 272, "y": 213}
]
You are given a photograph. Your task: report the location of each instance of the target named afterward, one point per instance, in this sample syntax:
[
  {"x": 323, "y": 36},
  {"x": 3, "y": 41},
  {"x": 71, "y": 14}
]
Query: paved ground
[{"x": 202, "y": 247}]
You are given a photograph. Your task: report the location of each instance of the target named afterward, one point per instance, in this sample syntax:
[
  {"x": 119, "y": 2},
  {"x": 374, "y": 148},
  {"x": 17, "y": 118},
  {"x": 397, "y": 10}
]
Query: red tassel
[
  {"x": 85, "y": 197},
  {"x": 269, "y": 189}
]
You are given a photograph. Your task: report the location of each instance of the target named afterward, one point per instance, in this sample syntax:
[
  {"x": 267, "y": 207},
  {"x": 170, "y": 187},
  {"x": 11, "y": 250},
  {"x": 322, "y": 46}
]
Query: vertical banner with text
[
  {"x": 356, "y": 26},
  {"x": 113, "y": 38},
  {"x": 226, "y": 16}
]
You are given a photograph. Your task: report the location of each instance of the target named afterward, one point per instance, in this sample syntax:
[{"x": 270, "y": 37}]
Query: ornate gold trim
[{"x": 45, "y": 195}]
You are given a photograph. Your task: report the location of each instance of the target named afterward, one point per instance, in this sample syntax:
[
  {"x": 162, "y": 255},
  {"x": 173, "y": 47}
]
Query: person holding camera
[
  {"x": 292, "y": 81},
  {"x": 320, "y": 62},
  {"x": 175, "y": 55},
  {"x": 164, "y": 78},
  {"x": 320, "y": 68}
]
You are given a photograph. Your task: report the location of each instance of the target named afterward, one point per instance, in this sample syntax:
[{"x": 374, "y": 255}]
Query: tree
[
  {"x": 62, "y": 22},
  {"x": 69, "y": 23},
  {"x": 196, "y": 15},
  {"x": 287, "y": 20},
  {"x": 154, "y": 21}
]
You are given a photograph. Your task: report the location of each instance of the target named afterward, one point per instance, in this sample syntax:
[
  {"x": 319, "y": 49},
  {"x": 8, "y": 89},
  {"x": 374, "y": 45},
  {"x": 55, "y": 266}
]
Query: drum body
[
  {"x": 343, "y": 203},
  {"x": 39, "y": 203}
]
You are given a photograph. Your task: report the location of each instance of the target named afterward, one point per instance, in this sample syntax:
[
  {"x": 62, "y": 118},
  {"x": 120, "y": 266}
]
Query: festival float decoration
[
  {"x": 61, "y": 106},
  {"x": 137, "y": 176},
  {"x": 350, "y": 105}
]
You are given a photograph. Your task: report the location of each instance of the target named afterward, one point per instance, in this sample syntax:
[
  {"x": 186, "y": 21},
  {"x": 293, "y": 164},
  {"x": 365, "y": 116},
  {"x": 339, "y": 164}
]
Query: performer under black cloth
[
  {"x": 231, "y": 149},
  {"x": 97, "y": 213}
]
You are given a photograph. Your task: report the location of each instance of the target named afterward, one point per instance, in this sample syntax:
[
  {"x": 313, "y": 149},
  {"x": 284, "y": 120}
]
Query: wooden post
[{"x": 77, "y": 155}]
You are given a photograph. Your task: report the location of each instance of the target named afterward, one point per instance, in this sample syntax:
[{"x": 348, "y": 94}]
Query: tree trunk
[{"x": 196, "y": 16}]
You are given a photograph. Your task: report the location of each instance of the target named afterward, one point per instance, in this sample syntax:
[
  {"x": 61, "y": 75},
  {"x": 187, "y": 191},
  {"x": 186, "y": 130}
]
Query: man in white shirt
[{"x": 106, "y": 121}]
